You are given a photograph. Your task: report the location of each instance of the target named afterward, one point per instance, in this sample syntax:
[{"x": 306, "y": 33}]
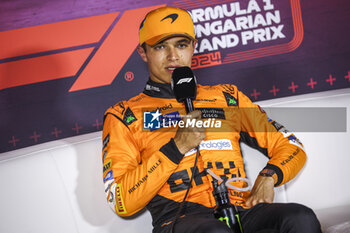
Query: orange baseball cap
[{"x": 165, "y": 22}]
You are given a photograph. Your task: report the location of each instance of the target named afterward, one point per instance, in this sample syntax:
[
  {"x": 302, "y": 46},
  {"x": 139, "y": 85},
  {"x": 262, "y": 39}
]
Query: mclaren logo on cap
[{"x": 171, "y": 16}]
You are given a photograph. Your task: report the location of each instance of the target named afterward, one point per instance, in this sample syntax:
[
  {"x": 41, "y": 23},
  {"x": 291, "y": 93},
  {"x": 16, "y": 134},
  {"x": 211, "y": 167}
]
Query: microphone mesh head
[{"x": 184, "y": 84}]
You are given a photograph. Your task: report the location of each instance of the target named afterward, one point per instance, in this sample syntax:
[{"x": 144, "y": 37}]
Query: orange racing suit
[{"x": 142, "y": 167}]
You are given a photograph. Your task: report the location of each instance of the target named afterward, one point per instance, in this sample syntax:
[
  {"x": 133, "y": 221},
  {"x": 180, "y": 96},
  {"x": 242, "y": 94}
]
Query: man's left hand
[{"x": 262, "y": 192}]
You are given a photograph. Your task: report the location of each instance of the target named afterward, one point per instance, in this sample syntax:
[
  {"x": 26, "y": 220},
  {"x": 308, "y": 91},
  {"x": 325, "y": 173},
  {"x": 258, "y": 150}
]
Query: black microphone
[{"x": 184, "y": 86}]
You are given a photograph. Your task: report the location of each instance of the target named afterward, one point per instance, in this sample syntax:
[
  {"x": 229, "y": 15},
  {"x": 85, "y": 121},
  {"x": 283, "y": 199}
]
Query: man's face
[{"x": 165, "y": 56}]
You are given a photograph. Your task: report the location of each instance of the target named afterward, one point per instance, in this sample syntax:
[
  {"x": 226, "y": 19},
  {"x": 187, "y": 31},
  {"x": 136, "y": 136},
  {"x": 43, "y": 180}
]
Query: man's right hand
[{"x": 190, "y": 137}]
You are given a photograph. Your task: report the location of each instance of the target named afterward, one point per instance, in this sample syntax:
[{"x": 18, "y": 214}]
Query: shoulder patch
[
  {"x": 229, "y": 89},
  {"x": 119, "y": 107},
  {"x": 129, "y": 117},
  {"x": 230, "y": 100}
]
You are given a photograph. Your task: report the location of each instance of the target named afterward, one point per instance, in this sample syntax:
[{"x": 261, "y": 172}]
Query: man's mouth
[{"x": 172, "y": 68}]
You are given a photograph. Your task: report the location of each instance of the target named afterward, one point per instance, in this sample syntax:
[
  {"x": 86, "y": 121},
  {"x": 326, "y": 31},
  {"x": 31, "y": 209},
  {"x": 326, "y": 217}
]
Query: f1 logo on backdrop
[{"x": 95, "y": 57}]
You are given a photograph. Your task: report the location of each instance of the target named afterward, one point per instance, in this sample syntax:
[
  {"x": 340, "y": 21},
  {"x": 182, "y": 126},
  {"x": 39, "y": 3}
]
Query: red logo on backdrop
[
  {"x": 73, "y": 53},
  {"x": 129, "y": 76}
]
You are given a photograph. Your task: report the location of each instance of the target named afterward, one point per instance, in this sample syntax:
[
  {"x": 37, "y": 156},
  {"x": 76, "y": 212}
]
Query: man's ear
[
  {"x": 194, "y": 45},
  {"x": 142, "y": 53}
]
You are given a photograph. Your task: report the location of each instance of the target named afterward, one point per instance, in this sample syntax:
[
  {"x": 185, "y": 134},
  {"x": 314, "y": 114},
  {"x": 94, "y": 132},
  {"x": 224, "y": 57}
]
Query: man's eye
[
  {"x": 182, "y": 45},
  {"x": 159, "y": 47}
]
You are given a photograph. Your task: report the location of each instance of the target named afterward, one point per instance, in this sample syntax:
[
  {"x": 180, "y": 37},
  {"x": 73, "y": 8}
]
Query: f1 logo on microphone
[{"x": 184, "y": 80}]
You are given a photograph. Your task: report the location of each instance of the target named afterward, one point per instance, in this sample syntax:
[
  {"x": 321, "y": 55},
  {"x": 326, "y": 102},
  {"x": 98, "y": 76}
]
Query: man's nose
[{"x": 172, "y": 54}]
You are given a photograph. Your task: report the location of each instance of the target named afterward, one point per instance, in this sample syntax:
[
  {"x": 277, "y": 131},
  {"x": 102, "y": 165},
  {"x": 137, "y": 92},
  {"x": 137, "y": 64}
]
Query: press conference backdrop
[{"x": 63, "y": 63}]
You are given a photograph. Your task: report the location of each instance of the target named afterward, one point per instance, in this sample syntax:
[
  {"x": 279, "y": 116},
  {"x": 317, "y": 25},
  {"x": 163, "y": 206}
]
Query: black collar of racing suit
[{"x": 159, "y": 90}]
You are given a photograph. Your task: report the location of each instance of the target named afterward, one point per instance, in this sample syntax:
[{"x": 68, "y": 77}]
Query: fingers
[
  {"x": 191, "y": 136},
  {"x": 199, "y": 132},
  {"x": 262, "y": 192},
  {"x": 196, "y": 114},
  {"x": 248, "y": 203},
  {"x": 252, "y": 201}
]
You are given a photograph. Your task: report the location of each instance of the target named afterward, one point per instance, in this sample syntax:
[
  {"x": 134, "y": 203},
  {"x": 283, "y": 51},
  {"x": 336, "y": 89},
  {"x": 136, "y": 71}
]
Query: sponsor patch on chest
[
  {"x": 217, "y": 113},
  {"x": 217, "y": 144}
]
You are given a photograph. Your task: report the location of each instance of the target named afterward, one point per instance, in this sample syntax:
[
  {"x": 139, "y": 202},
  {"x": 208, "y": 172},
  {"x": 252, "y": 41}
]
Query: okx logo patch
[
  {"x": 231, "y": 101},
  {"x": 151, "y": 120},
  {"x": 129, "y": 117}
]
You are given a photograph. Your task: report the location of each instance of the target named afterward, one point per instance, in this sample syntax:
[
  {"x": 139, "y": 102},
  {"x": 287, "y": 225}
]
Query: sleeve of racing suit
[
  {"x": 130, "y": 180},
  {"x": 285, "y": 152}
]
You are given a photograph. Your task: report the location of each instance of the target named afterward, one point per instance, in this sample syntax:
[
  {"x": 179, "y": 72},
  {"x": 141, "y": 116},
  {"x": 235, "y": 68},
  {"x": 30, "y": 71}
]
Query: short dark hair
[{"x": 144, "y": 46}]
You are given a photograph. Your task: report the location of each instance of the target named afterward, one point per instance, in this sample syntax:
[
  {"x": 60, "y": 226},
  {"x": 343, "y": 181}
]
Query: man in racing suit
[{"x": 148, "y": 157}]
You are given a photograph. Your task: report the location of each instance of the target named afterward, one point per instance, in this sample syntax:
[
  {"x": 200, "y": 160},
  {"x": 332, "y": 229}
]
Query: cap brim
[{"x": 157, "y": 39}]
